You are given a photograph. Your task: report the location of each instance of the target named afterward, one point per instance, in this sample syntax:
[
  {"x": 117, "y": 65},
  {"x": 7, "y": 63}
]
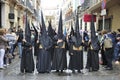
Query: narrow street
[
  {"x": 49, "y": 24},
  {"x": 12, "y": 73}
]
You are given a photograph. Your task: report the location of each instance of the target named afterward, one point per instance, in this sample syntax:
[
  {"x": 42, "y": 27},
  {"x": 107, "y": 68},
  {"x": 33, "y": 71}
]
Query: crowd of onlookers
[
  {"x": 109, "y": 46},
  {"x": 9, "y": 40},
  {"x": 115, "y": 42}
]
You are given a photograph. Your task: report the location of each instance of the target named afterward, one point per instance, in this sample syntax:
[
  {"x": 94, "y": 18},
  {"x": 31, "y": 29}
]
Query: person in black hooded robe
[
  {"x": 27, "y": 62},
  {"x": 43, "y": 64},
  {"x": 94, "y": 46},
  {"x": 59, "y": 58},
  {"x": 51, "y": 33},
  {"x": 76, "y": 50}
]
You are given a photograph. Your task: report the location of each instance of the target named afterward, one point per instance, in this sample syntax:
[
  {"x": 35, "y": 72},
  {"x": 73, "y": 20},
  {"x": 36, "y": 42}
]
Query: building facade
[
  {"x": 15, "y": 12},
  {"x": 111, "y": 15}
]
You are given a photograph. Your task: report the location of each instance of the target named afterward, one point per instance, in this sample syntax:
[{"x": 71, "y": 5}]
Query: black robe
[
  {"x": 59, "y": 58},
  {"x": 27, "y": 62},
  {"x": 92, "y": 59},
  {"x": 44, "y": 57},
  {"x": 76, "y": 56}
]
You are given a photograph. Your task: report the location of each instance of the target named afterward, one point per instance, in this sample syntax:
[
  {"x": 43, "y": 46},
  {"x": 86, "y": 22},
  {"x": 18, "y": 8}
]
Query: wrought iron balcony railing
[
  {"x": 94, "y": 2},
  {"x": 29, "y": 6},
  {"x": 89, "y": 3}
]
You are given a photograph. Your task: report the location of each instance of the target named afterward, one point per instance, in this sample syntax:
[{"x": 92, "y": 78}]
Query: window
[{"x": 107, "y": 24}]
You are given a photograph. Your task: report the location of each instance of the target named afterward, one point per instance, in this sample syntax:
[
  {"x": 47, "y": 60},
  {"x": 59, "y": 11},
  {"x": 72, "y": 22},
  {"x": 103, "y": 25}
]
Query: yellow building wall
[
  {"x": 6, "y": 22},
  {"x": 16, "y": 15},
  {"x": 115, "y": 11},
  {"x": 21, "y": 19}
]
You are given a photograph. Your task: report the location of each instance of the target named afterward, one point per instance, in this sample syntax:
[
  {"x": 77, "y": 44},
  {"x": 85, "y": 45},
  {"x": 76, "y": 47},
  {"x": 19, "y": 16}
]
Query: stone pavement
[{"x": 13, "y": 73}]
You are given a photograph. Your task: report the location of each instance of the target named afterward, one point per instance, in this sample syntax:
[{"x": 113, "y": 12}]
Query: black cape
[
  {"x": 27, "y": 62},
  {"x": 59, "y": 58},
  {"x": 76, "y": 56},
  {"x": 92, "y": 59},
  {"x": 44, "y": 56}
]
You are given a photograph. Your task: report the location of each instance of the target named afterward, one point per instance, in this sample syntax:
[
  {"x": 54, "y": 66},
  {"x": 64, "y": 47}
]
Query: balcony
[
  {"x": 22, "y": 2},
  {"x": 26, "y": 4},
  {"x": 85, "y": 5},
  {"x": 89, "y": 3},
  {"x": 30, "y": 6},
  {"x": 94, "y": 2}
]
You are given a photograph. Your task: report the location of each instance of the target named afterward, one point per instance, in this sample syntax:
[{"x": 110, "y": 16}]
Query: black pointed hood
[
  {"x": 43, "y": 28},
  {"x": 27, "y": 32},
  {"x": 36, "y": 33},
  {"x": 94, "y": 39},
  {"x": 44, "y": 38},
  {"x": 93, "y": 34},
  {"x": 40, "y": 28},
  {"x": 72, "y": 30},
  {"x": 77, "y": 25},
  {"x": 51, "y": 32},
  {"x": 60, "y": 29},
  {"x": 77, "y": 33}
]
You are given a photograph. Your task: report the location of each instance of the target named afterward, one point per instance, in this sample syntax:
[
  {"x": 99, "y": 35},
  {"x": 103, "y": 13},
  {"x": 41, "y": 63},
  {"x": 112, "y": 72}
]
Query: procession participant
[
  {"x": 59, "y": 59},
  {"x": 27, "y": 62},
  {"x": 94, "y": 46},
  {"x": 43, "y": 64},
  {"x": 76, "y": 51}
]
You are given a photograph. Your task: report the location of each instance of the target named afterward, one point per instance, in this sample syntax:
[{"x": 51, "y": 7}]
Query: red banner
[{"x": 88, "y": 18}]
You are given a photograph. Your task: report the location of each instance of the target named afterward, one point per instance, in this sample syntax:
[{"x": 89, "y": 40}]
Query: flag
[
  {"x": 103, "y": 4},
  {"x": 82, "y": 1}
]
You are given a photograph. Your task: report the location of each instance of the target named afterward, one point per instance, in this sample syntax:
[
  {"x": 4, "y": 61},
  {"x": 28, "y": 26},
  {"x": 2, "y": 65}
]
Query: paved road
[{"x": 13, "y": 73}]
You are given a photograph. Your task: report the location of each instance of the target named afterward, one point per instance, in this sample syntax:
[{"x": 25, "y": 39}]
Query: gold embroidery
[
  {"x": 61, "y": 47},
  {"x": 91, "y": 47},
  {"x": 40, "y": 46},
  {"x": 77, "y": 48}
]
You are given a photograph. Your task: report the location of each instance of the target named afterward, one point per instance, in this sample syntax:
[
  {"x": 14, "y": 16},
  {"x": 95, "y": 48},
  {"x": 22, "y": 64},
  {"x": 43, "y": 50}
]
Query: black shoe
[
  {"x": 79, "y": 71},
  {"x": 105, "y": 67},
  {"x": 108, "y": 68},
  {"x": 47, "y": 71},
  {"x": 61, "y": 71},
  {"x": 73, "y": 71},
  {"x": 41, "y": 72},
  {"x": 21, "y": 73},
  {"x": 19, "y": 56},
  {"x": 57, "y": 71},
  {"x": 90, "y": 70},
  {"x": 28, "y": 71},
  {"x": 94, "y": 69}
]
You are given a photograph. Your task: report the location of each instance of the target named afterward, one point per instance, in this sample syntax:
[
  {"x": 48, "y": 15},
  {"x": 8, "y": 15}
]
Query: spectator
[
  {"x": 3, "y": 45},
  {"x": 19, "y": 42}
]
